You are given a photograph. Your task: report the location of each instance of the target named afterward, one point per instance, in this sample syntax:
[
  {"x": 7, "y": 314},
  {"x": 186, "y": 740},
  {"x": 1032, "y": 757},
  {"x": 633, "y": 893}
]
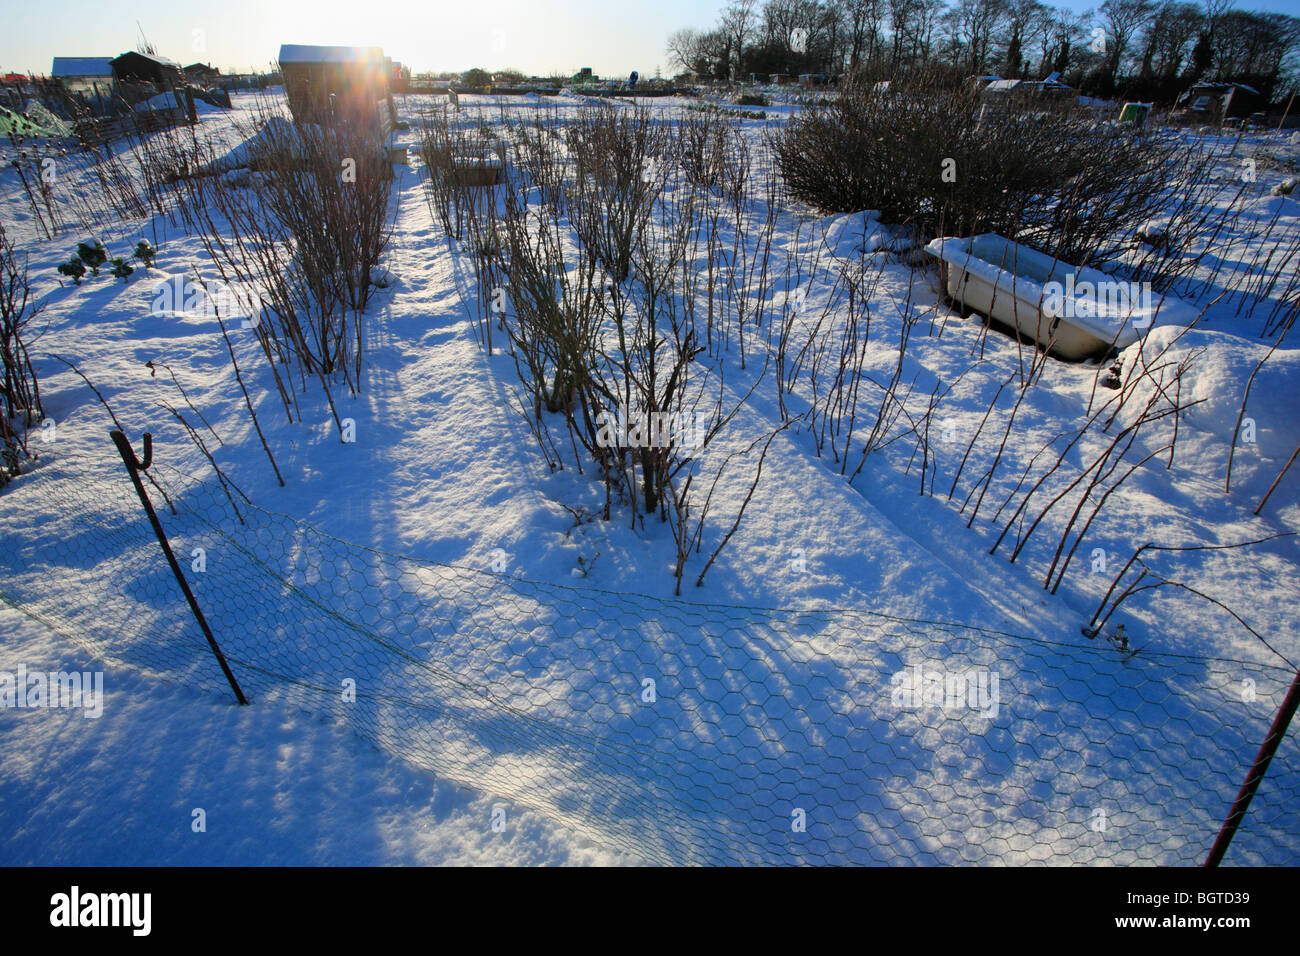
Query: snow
[
  {"x": 277, "y": 786},
  {"x": 276, "y": 132},
  {"x": 166, "y": 100},
  {"x": 850, "y": 235},
  {"x": 445, "y": 474}
]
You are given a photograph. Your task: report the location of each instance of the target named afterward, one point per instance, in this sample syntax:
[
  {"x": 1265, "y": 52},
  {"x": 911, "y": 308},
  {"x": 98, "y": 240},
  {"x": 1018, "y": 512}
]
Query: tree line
[{"x": 1147, "y": 49}]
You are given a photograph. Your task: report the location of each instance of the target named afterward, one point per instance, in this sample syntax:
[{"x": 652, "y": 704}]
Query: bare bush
[
  {"x": 302, "y": 237},
  {"x": 596, "y": 238},
  {"x": 618, "y": 176},
  {"x": 20, "y": 393},
  {"x": 941, "y": 159}
]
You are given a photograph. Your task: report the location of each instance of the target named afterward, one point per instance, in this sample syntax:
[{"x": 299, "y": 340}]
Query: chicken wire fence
[{"x": 678, "y": 732}]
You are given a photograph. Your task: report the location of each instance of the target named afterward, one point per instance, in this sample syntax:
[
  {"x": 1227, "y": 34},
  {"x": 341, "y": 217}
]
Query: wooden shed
[
  {"x": 203, "y": 74},
  {"x": 332, "y": 84},
  {"x": 1218, "y": 101},
  {"x": 79, "y": 86},
  {"x": 1026, "y": 92},
  {"x": 148, "y": 69},
  {"x": 87, "y": 75}
]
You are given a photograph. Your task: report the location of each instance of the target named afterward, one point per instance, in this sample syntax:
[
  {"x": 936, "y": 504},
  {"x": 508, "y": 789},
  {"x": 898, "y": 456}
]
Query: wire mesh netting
[{"x": 678, "y": 732}]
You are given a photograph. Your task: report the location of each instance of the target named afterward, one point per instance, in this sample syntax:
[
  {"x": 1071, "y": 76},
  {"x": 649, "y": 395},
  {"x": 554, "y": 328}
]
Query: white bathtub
[{"x": 1072, "y": 312}]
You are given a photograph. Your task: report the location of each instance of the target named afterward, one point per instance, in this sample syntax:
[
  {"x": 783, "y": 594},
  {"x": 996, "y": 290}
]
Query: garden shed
[
  {"x": 139, "y": 69},
  {"x": 1023, "y": 91},
  {"x": 327, "y": 84},
  {"x": 90, "y": 76},
  {"x": 203, "y": 74},
  {"x": 1222, "y": 100}
]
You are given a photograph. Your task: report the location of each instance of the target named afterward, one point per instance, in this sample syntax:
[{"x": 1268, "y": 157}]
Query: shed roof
[
  {"x": 82, "y": 66},
  {"x": 132, "y": 55},
  {"x": 1224, "y": 87},
  {"x": 301, "y": 53}
]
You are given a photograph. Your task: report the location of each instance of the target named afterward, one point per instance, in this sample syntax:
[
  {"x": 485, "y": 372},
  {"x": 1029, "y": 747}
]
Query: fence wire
[{"x": 681, "y": 733}]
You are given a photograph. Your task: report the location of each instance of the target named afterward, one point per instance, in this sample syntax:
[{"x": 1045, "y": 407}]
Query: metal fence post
[
  {"x": 133, "y": 467},
  {"x": 1257, "y": 770}
]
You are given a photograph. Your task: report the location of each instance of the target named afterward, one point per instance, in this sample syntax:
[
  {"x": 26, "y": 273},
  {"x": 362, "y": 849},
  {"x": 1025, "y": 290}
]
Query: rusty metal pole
[
  {"x": 1257, "y": 770},
  {"x": 133, "y": 467},
  {"x": 1286, "y": 114}
]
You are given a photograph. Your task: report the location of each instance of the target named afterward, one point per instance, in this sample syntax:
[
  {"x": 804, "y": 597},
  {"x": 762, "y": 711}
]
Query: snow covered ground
[
  {"x": 759, "y": 715},
  {"x": 277, "y": 785}
]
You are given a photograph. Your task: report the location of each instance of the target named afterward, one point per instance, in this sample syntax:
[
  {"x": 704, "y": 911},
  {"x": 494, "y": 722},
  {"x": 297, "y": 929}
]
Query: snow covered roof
[
  {"x": 82, "y": 66},
  {"x": 1200, "y": 89},
  {"x": 152, "y": 57},
  {"x": 300, "y": 53},
  {"x": 1008, "y": 86}
]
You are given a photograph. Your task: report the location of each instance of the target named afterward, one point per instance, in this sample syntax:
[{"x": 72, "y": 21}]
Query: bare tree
[
  {"x": 685, "y": 47},
  {"x": 1123, "y": 21},
  {"x": 862, "y": 21},
  {"x": 738, "y": 23},
  {"x": 974, "y": 24}
]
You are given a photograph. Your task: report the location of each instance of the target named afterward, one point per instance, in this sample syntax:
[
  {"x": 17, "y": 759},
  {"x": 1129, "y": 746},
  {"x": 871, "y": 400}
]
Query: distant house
[
  {"x": 399, "y": 76},
  {"x": 247, "y": 81},
  {"x": 810, "y": 80},
  {"x": 202, "y": 74},
  {"x": 1216, "y": 101},
  {"x": 89, "y": 76},
  {"x": 326, "y": 84}
]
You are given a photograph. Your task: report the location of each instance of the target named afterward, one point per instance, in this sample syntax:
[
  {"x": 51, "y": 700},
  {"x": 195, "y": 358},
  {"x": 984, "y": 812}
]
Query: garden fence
[{"x": 678, "y": 732}]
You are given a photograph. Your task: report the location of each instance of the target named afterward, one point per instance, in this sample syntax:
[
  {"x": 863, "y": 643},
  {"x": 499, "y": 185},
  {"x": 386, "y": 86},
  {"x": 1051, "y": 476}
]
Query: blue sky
[{"x": 536, "y": 36}]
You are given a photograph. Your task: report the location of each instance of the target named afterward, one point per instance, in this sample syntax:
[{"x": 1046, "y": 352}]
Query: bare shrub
[
  {"x": 303, "y": 236},
  {"x": 597, "y": 237},
  {"x": 20, "y": 393},
  {"x": 940, "y": 158},
  {"x": 703, "y": 143},
  {"x": 619, "y": 159}
]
